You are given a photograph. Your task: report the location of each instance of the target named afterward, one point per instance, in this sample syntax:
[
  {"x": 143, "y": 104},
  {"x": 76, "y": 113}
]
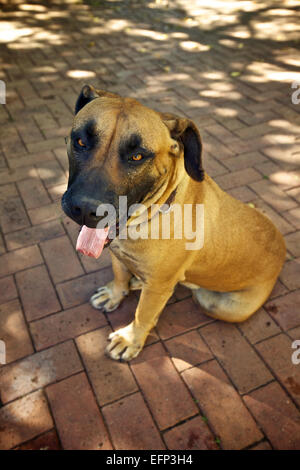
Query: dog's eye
[
  {"x": 81, "y": 143},
  {"x": 137, "y": 158}
]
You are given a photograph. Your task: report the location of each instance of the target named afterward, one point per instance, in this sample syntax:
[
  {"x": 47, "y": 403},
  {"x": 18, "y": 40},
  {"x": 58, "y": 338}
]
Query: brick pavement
[{"x": 198, "y": 384}]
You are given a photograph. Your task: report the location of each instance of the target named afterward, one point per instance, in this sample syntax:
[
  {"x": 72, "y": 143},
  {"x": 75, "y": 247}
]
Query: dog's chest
[{"x": 126, "y": 253}]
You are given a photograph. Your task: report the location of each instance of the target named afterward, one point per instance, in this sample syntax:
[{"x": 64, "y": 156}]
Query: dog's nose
[{"x": 84, "y": 211}]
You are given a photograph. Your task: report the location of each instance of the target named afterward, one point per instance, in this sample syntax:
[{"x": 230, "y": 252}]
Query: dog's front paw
[
  {"x": 107, "y": 298},
  {"x": 125, "y": 343}
]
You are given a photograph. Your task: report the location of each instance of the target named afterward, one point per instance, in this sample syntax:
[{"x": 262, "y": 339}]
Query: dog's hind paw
[
  {"x": 104, "y": 299},
  {"x": 135, "y": 283}
]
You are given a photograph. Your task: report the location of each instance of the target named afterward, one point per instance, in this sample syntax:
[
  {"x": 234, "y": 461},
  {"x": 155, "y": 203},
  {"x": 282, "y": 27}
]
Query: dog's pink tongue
[{"x": 91, "y": 241}]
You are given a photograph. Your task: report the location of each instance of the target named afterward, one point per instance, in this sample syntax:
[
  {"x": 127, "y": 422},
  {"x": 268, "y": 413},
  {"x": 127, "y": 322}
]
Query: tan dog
[{"x": 120, "y": 147}]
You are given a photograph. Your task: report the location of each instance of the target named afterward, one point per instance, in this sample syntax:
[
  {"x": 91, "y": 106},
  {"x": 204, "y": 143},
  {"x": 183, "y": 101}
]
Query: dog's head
[{"x": 118, "y": 147}]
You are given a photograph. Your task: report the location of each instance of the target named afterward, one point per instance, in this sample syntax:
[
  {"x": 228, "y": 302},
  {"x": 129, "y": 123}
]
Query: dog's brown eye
[
  {"x": 80, "y": 142},
  {"x": 137, "y": 157}
]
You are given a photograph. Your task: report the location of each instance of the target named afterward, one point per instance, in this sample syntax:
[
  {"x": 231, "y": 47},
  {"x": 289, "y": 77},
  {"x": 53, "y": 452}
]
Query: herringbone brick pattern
[{"x": 198, "y": 384}]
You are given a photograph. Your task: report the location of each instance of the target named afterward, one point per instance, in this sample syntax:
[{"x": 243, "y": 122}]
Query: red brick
[
  {"x": 38, "y": 370},
  {"x": 295, "y": 193},
  {"x": 51, "y": 173},
  {"x": 245, "y": 160},
  {"x": 270, "y": 170},
  {"x": 243, "y": 193},
  {"x": 285, "y": 310},
  {"x": 127, "y": 420},
  {"x": 7, "y": 289},
  {"x": 230, "y": 123},
  {"x": 217, "y": 149},
  {"x": 20, "y": 259},
  {"x": 273, "y": 195},
  {"x": 48, "y": 441},
  {"x": 65, "y": 325},
  {"x": 218, "y": 131},
  {"x": 213, "y": 167},
  {"x": 264, "y": 445},
  {"x": 14, "y": 331},
  {"x": 293, "y": 216},
  {"x": 258, "y": 117},
  {"x": 61, "y": 259},
  {"x": 45, "y": 213},
  {"x": 187, "y": 350},
  {"x": 11, "y": 143},
  {"x": 124, "y": 315},
  {"x": 60, "y": 131},
  {"x": 282, "y": 225},
  {"x": 30, "y": 159},
  {"x": 290, "y": 274},
  {"x": 25, "y": 88},
  {"x": 181, "y": 292},
  {"x": 259, "y": 326},
  {"x": 294, "y": 333},
  {"x": 284, "y": 179},
  {"x": 44, "y": 145},
  {"x": 293, "y": 243},
  {"x": 24, "y": 419},
  {"x": 180, "y": 317},
  {"x": 7, "y": 191},
  {"x": 277, "y": 353},
  {"x": 33, "y": 193},
  {"x": 277, "y": 416},
  {"x": 2, "y": 247},
  {"x": 278, "y": 290},
  {"x": 45, "y": 120},
  {"x": 223, "y": 407},
  {"x": 78, "y": 419},
  {"x": 13, "y": 175},
  {"x": 78, "y": 291},
  {"x": 72, "y": 229},
  {"x": 37, "y": 293},
  {"x": 162, "y": 387},
  {"x": 33, "y": 235},
  {"x": 56, "y": 192},
  {"x": 62, "y": 157},
  {"x": 92, "y": 264},
  {"x": 254, "y": 131},
  {"x": 111, "y": 380},
  {"x": 237, "y": 178},
  {"x": 13, "y": 215},
  {"x": 238, "y": 358},
  {"x": 192, "y": 435}
]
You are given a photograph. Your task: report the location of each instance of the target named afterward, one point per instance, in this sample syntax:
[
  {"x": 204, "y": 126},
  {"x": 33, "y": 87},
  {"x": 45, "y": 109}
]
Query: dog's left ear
[
  {"x": 186, "y": 132},
  {"x": 89, "y": 93}
]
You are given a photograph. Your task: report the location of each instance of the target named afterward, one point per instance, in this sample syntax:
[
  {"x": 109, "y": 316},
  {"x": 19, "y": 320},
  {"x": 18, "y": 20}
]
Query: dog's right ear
[{"x": 89, "y": 93}]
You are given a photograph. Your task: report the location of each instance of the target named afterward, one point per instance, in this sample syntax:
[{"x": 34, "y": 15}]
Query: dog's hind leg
[
  {"x": 109, "y": 297},
  {"x": 135, "y": 283},
  {"x": 234, "y": 306}
]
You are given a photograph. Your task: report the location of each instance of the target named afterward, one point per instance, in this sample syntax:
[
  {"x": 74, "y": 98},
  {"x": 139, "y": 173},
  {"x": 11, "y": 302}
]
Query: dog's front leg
[
  {"x": 127, "y": 342},
  {"x": 109, "y": 297}
]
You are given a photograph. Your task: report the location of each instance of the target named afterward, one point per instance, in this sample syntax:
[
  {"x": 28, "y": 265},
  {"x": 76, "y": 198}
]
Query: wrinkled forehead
[{"x": 121, "y": 120}]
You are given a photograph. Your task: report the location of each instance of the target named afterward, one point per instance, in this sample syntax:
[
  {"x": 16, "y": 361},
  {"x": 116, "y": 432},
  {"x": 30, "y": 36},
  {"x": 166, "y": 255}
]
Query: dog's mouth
[{"x": 92, "y": 241}]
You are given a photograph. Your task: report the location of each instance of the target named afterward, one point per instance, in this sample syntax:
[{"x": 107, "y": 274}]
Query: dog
[{"x": 118, "y": 146}]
